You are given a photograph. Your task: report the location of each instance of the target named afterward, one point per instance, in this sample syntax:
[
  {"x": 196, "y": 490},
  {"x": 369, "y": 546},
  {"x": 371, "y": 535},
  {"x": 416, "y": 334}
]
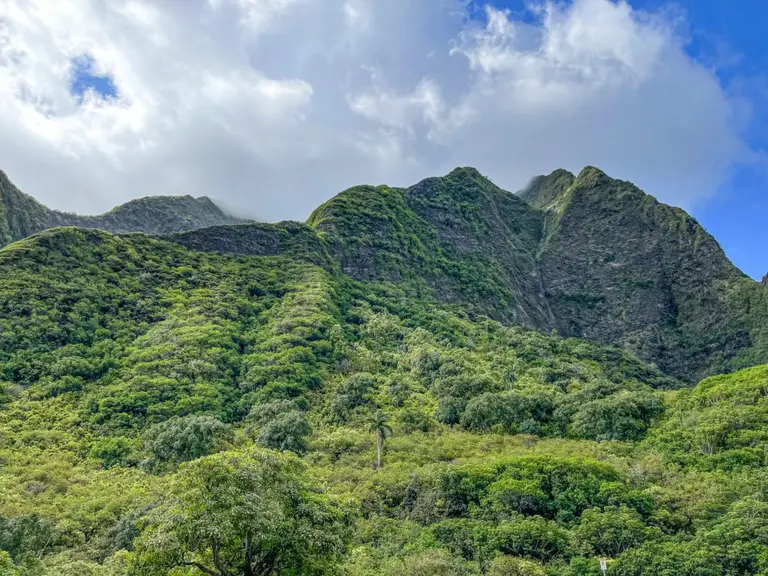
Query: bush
[
  {"x": 626, "y": 415},
  {"x": 182, "y": 439},
  {"x": 510, "y": 566},
  {"x": 287, "y": 431},
  {"x": 112, "y": 451}
]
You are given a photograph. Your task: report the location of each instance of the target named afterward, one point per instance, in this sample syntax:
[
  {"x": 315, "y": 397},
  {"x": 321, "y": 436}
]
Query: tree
[
  {"x": 112, "y": 451},
  {"x": 379, "y": 425},
  {"x": 510, "y": 566},
  {"x": 181, "y": 439},
  {"x": 29, "y": 536},
  {"x": 288, "y": 431},
  {"x": 242, "y": 514},
  {"x": 611, "y": 531},
  {"x": 7, "y": 567},
  {"x": 626, "y": 415}
]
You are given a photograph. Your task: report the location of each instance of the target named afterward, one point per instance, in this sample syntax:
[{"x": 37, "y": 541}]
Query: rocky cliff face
[
  {"x": 619, "y": 266},
  {"x": 21, "y": 215}
]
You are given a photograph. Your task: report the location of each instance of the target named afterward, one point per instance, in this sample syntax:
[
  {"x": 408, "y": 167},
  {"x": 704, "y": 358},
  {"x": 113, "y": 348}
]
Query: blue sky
[
  {"x": 729, "y": 35},
  {"x": 738, "y": 214},
  {"x": 86, "y": 79}
]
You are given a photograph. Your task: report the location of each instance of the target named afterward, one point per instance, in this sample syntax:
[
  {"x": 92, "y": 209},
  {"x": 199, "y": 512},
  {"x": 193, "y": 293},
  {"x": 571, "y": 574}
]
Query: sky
[{"x": 274, "y": 106}]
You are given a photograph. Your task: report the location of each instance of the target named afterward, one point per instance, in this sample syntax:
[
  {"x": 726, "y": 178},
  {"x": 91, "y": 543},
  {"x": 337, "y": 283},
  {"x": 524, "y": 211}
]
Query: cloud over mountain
[{"x": 274, "y": 105}]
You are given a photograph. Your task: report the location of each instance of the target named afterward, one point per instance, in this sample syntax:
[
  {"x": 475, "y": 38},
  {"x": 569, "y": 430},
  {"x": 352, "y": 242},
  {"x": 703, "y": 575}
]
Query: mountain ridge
[
  {"x": 21, "y": 215},
  {"x": 585, "y": 255}
]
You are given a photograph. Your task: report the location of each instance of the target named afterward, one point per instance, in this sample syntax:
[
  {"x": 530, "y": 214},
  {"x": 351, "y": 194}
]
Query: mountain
[
  {"x": 193, "y": 402},
  {"x": 437, "y": 379},
  {"x": 619, "y": 266},
  {"x": 22, "y": 215},
  {"x": 586, "y": 255},
  {"x": 471, "y": 242}
]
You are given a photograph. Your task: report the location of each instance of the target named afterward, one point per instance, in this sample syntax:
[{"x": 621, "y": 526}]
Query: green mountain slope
[
  {"x": 587, "y": 255},
  {"x": 147, "y": 385},
  {"x": 22, "y": 215},
  {"x": 468, "y": 240}
]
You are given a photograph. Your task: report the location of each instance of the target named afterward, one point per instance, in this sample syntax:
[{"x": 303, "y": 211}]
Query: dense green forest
[{"x": 317, "y": 406}]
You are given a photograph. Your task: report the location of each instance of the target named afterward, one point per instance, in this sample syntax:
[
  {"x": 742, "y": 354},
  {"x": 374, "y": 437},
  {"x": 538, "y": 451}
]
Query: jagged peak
[
  {"x": 764, "y": 281},
  {"x": 544, "y": 189},
  {"x": 591, "y": 177}
]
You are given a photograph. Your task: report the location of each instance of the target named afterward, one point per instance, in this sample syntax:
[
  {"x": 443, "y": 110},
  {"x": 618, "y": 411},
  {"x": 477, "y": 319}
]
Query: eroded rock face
[{"x": 619, "y": 266}]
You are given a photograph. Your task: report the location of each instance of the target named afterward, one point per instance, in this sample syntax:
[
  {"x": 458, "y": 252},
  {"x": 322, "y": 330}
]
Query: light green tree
[{"x": 242, "y": 514}]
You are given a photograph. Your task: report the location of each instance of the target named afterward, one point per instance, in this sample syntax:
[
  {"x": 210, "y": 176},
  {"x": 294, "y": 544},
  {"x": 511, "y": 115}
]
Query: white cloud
[{"x": 274, "y": 105}]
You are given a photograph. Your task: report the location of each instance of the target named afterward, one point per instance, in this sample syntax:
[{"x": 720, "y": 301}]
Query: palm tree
[{"x": 379, "y": 424}]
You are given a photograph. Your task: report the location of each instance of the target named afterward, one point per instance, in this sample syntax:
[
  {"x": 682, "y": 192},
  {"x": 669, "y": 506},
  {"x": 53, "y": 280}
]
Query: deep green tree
[
  {"x": 287, "y": 431},
  {"x": 181, "y": 439}
]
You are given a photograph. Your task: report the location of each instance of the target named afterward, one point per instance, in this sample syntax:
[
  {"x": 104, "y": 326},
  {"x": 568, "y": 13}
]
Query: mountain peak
[
  {"x": 543, "y": 190},
  {"x": 465, "y": 172},
  {"x": 591, "y": 177},
  {"x": 765, "y": 280}
]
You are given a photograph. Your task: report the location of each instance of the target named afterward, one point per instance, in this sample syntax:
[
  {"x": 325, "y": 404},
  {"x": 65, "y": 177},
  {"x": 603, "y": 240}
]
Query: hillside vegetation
[{"x": 393, "y": 388}]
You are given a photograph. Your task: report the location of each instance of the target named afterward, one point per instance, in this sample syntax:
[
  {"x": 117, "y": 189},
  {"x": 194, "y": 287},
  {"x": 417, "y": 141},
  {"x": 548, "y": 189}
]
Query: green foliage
[
  {"x": 511, "y": 566},
  {"x": 7, "y": 567},
  {"x": 112, "y": 451},
  {"x": 508, "y": 451},
  {"x": 625, "y": 415},
  {"x": 722, "y": 423},
  {"x": 379, "y": 425},
  {"x": 235, "y": 513},
  {"x": 352, "y": 393},
  {"x": 25, "y": 537},
  {"x": 287, "y": 431},
  {"x": 430, "y": 562},
  {"x": 182, "y": 439},
  {"x": 611, "y": 531}
]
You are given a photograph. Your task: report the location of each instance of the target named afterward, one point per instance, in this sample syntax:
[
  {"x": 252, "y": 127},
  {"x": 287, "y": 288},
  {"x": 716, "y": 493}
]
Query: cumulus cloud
[{"x": 275, "y": 105}]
